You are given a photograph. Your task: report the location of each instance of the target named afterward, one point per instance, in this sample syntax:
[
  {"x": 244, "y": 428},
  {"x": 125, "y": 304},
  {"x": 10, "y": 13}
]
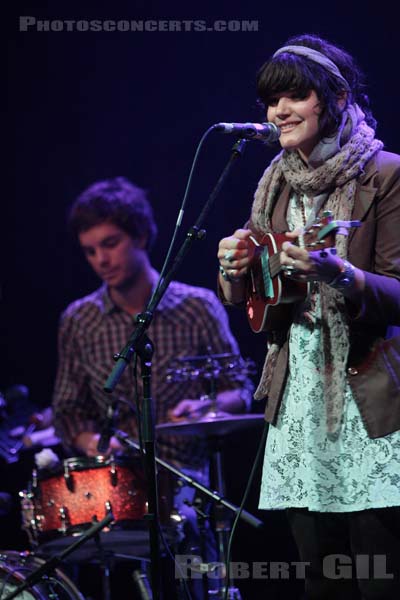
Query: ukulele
[{"x": 267, "y": 292}]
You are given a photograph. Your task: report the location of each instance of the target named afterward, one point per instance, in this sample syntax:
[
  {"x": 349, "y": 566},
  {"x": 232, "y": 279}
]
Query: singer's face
[
  {"x": 298, "y": 120},
  {"x": 115, "y": 257}
]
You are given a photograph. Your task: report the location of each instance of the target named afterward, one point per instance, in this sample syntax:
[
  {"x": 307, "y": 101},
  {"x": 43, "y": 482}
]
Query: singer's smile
[{"x": 285, "y": 127}]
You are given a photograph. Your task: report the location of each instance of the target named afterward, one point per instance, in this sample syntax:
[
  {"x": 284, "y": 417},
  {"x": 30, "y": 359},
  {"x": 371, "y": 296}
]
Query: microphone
[
  {"x": 266, "y": 132},
  {"x": 107, "y": 431}
]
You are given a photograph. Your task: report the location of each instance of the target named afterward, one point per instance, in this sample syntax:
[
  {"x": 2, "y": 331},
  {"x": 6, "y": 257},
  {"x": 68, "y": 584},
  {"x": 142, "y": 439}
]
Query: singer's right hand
[
  {"x": 87, "y": 443},
  {"x": 233, "y": 253}
]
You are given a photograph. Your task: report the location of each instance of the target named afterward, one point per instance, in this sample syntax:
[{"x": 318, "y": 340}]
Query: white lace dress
[{"x": 303, "y": 466}]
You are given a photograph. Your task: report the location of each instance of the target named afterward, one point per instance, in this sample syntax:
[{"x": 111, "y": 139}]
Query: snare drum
[
  {"x": 60, "y": 505},
  {"x": 83, "y": 490},
  {"x": 16, "y": 566}
]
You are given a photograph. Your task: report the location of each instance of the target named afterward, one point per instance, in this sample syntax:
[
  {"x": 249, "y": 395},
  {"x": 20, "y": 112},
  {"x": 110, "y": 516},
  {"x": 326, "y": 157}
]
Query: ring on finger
[{"x": 229, "y": 256}]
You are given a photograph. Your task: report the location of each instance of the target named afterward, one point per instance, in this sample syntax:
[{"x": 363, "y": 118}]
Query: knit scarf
[{"x": 338, "y": 161}]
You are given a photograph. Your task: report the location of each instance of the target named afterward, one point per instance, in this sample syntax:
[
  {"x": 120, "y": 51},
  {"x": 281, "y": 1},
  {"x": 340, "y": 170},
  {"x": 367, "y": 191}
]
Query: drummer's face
[{"x": 113, "y": 254}]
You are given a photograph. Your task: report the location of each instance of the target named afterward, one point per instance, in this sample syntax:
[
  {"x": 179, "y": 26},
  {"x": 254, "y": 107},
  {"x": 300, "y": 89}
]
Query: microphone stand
[
  {"x": 54, "y": 561},
  {"x": 136, "y": 340},
  {"x": 145, "y": 350}
]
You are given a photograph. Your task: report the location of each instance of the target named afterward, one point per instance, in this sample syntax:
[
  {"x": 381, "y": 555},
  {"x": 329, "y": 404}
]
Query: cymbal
[
  {"x": 211, "y": 425},
  {"x": 206, "y": 357}
]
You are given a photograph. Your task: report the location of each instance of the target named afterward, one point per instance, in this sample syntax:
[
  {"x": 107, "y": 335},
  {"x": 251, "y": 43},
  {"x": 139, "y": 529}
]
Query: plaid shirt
[{"x": 188, "y": 321}]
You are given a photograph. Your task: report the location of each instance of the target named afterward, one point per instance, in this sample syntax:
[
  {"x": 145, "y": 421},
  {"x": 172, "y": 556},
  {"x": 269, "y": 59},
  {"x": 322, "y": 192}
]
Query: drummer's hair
[{"x": 116, "y": 201}]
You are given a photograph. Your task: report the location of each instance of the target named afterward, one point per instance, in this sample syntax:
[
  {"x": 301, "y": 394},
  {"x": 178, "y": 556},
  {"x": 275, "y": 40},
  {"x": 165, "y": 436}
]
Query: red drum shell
[{"x": 85, "y": 490}]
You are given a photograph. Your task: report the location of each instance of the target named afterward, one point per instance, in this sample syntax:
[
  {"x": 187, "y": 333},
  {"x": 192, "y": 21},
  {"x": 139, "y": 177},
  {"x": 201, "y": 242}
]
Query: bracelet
[
  {"x": 345, "y": 279},
  {"x": 226, "y": 276}
]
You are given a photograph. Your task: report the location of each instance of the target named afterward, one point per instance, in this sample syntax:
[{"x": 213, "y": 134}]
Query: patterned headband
[{"x": 317, "y": 57}]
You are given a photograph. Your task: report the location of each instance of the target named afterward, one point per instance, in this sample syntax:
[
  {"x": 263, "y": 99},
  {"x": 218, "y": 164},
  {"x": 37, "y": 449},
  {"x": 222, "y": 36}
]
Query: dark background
[{"x": 84, "y": 106}]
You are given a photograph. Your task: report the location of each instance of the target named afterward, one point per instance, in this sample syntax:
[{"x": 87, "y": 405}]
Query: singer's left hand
[{"x": 317, "y": 265}]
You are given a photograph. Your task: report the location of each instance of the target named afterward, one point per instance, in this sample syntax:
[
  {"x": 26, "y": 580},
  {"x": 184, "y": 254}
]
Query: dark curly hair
[
  {"x": 300, "y": 75},
  {"x": 115, "y": 201}
]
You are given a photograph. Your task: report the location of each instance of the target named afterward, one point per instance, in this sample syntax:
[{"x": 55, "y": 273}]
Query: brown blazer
[{"x": 374, "y": 363}]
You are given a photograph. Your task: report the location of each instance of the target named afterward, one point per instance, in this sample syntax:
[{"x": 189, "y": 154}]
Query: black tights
[{"x": 351, "y": 555}]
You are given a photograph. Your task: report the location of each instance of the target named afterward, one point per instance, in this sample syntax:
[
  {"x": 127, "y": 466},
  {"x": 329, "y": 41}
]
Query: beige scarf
[{"x": 335, "y": 179}]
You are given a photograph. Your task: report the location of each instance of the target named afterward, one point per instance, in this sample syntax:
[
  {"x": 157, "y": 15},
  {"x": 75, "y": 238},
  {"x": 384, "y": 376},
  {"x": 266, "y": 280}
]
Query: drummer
[{"x": 114, "y": 224}]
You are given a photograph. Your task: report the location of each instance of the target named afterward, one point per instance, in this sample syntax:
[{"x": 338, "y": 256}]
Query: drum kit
[{"x": 64, "y": 500}]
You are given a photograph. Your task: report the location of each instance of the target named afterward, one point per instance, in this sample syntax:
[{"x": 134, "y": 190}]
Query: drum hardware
[
  {"x": 223, "y": 522},
  {"x": 209, "y": 367},
  {"x": 113, "y": 473},
  {"x": 202, "y": 510},
  {"x": 127, "y": 441},
  {"x": 29, "y": 522},
  {"x": 176, "y": 517},
  {"x": 47, "y": 567},
  {"x": 211, "y": 425},
  {"x": 104, "y": 563},
  {"x": 14, "y": 567},
  {"x": 142, "y": 584},
  {"x": 65, "y": 521},
  {"x": 214, "y": 496},
  {"x": 214, "y": 426},
  {"x": 233, "y": 594},
  {"x": 34, "y": 485},
  {"x": 93, "y": 495},
  {"x": 67, "y": 477},
  {"x": 63, "y": 501}
]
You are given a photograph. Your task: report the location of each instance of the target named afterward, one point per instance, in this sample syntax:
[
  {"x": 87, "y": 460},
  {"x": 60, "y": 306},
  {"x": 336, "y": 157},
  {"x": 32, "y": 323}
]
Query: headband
[{"x": 317, "y": 57}]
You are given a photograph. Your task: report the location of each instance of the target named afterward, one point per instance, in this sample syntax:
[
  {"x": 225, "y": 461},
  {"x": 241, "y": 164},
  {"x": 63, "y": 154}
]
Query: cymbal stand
[
  {"x": 202, "y": 517},
  {"x": 222, "y": 520},
  {"x": 212, "y": 371},
  {"x": 105, "y": 567}
]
